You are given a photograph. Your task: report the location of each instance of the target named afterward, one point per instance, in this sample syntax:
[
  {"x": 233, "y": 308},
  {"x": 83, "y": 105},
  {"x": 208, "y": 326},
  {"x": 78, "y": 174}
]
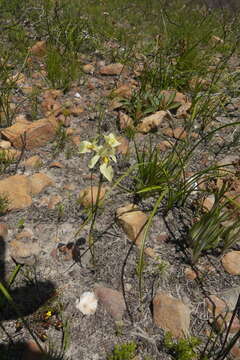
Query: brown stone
[
  {"x": 33, "y": 162},
  {"x": 171, "y": 314},
  {"x": 26, "y": 234},
  {"x": 54, "y": 200},
  {"x": 56, "y": 164},
  {"x": 88, "y": 68},
  {"x": 231, "y": 262},
  {"x": 88, "y": 196},
  {"x": 39, "y": 48},
  {"x": 215, "y": 305},
  {"x": 177, "y": 133},
  {"x": 152, "y": 122},
  {"x": 76, "y": 110},
  {"x": 235, "y": 352},
  {"x": 150, "y": 252},
  {"x": 125, "y": 121},
  {"x": 115, "y": 104},
  {"x": 39, "y": 182},
  {"x": 76, "y": 139},
  {"x": 123, "y": 91},
  {"x": 209, "y": 202},
  {"x": 164, "y": 145},
  {"x": 124, "y": 145},
  {"x": 223, "y": 322},
  {"x": 112, "y": 69},
  {"x": 17, "y": 190},
  {"x": 132, "y": 221},
  {"x": 190, "y": 274},
  {"x": 31, "y": 136},
  {"x": 112, "y": 300},
  {"x": 24, "y": 251},
  {"x": 5, "y": 144}
]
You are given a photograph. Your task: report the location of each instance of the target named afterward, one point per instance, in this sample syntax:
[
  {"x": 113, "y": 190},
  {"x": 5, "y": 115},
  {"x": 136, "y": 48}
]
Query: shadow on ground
[{"x": 27, "y": 300}]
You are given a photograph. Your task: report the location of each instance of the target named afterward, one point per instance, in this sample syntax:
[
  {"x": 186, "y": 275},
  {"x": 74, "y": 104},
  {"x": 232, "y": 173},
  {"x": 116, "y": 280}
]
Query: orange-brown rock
[
  {"x": 39, "y": 48},
  {"x": 112, "y": 69},
  {"x": 152, "y": 122},
  {"x": 31, "y": 135},
  {"x": 33, "y": 162},
  {"x": 132, "y": 221},
  {"x": 88, "y": 68},
  {"x": 171, "y": 314},
  {"x": 124, "y": 145},
  {"x": 231, "y": 262},
  {"x": 17, "y": 190},
  {"x": 39, "y": 182},
  {"x": 88, "y": 196},
  {"x": 125, "y": 121}
]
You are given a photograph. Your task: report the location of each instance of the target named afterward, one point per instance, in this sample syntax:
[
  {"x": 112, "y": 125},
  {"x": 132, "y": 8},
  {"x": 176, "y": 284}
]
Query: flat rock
[
  {"x": 33, "y": 135},
  {"x": 24, "y": 251},
  {"x": 230, "y": 296},
  {"x": 231, "y": 262},
  {"x": 54, "y": 201},
  {"x": 123, "y": 91},
  {"x": 132, "y": 221},
  {"x": 223, "y": 322},
  {"x": 39, "y": 182},
  {"x": 39, "y": 49},
  {"x": 235, "y": 352},
  {"x": 177, "y": 133},
  {"x": 88, "y": 196},
  {"x": 215, "y": 305},
  {"x": 123, "y": 148},
  {"x": 125, "y": 121},
  {"x": 17, "y": 190},
  {"x": 171, "y": 314},
  {"x": 208, "y": 202},
  {"x": 33, "y": 162},
  {"x": 152, "y": 122},
  {"x": 112, "y": 301},
  {"x": 5, "y": 144},
  {"x": 88, "y": 68},
  {"x": 111, "y": 69}
]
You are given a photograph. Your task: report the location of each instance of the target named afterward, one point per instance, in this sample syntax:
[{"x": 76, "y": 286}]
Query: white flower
[
  {"x": 105, "y": 153},
  {"x": 87, "y": 303}
]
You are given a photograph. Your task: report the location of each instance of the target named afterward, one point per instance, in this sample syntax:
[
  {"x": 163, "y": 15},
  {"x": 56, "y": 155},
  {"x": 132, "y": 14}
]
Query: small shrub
[
  {"x": 4, "y": 202},
  {"x": 182, "y": 349},
  {"x": 123, "y": 352}
]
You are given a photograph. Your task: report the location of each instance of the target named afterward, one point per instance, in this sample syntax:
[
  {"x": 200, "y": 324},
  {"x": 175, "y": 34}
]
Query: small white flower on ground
[{"x": 87, "y": 303}]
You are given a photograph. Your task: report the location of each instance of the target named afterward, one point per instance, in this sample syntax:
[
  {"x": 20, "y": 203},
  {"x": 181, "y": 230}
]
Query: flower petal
[
  {"x": 85, "y": 147},
  {"x": 107, "y": 171},
  {"x": 93, "y": 161},
  {"x": 111, "y": 140}
]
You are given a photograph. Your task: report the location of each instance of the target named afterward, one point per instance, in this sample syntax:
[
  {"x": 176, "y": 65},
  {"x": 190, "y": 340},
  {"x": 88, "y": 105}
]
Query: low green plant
[
  {"x": 145, "y": 101},
  {"x": 61, "y": 68},
  {"x": 6, "y": 160},
  {"x": 182, "y": 349},
  {"x": 61, "y": 139},
  {"x": 4, "y": 203},
  {"x": 123, "y": 352},
  {"x": 209, "y": 232}
]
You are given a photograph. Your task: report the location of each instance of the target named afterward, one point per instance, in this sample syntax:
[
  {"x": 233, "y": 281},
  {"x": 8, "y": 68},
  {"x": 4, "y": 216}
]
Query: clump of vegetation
[
  {"x": 182, "y": 349},
  {"x": 4, "y": 203},
  {"x": 123, "y": 352}
]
